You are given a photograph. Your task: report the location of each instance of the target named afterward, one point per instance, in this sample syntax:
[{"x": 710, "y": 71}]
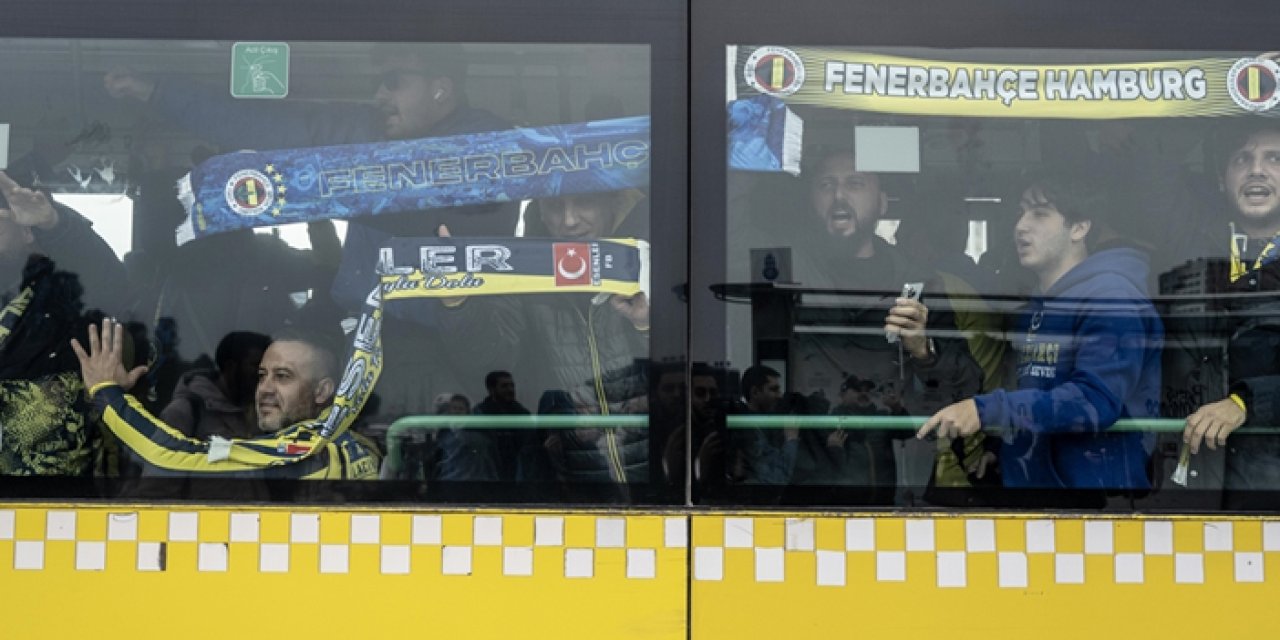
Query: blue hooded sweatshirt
[{"x": 1088, "y": 354}]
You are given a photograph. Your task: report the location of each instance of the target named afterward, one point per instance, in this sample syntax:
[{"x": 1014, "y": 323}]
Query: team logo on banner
[
  {"x": 573, "y": 263},
  {"x": 249, "y": 193},
  {"x": 1252, "y": 83},
  {"x": 777, "y": 71}
]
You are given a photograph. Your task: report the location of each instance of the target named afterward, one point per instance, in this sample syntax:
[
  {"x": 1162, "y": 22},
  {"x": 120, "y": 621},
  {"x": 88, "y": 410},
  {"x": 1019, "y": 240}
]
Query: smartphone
[{"x": 910, "y": 291}]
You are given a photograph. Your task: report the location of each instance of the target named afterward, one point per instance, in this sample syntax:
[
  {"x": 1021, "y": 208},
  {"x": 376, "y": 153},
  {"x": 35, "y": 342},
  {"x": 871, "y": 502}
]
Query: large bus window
[
  {"x": 421, "y": 263},
  {"x": 994, "y": 278}
]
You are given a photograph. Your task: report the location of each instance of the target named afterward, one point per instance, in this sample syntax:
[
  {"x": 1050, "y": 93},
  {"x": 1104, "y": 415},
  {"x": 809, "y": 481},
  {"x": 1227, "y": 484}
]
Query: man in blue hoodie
[{"x": 1087, "y": 348}]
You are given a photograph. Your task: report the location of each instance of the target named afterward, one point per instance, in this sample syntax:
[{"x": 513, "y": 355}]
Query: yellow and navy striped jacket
[{"x": 285, "y": 454}]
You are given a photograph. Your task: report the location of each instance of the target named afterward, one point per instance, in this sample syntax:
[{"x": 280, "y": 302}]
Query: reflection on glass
[
  {"x": 468, "y": 221},
  {"x": 1089, "y": 236}
]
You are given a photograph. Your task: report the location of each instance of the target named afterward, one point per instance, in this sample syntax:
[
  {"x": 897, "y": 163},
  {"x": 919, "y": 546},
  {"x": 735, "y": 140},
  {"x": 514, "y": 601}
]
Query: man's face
[
  {"x": 764, "y": 398},
  {"x": 671, "y": 391},
  {"x": 847, "y": 201},
  {"x": 412, "y": 102},
  {"x": 706, "y": 394},
  {"x": 584, "y": 216},
  {"x": 289, "y": 386},
  {"x": 1251, "y": 178},
  {"x": 505, "y": 389},
  {"x": 1042, "y": 234}
]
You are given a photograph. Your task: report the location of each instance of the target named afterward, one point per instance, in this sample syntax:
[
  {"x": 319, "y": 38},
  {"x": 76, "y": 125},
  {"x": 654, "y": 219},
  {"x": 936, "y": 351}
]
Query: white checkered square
[
  {"x": 212, "y": 556},
  {"x": 151, "y": 556},
  {"x": 1158, "y": 537},
  {"x": 517, "y": 561},
  {"x": 304, "y": 528},
  {"x": 980, "y": 536},
  {"x": 548, "y": 532},
  {"x": 1012, "y": 569},
  {"x": 366, "y": 528},
  {"x": 770, "y": 564},
  {"x": 28, "y": 555},
  {"x": 487, "y": 531},
  {"x": 832, "y": 567},
  {"x": 642, "y": 563},
  {"x": 1130, "y": 568},
  {"x": 1068, "y": 568},
  {"x": 739, "y": 533},
  {"x": 708, "y": 563},
  {"x": 952, "y": 569},
  {"x": 860, "y": 534},
  {"x": 244, "y": 527},
  {"x": 60, "y": 525},
  {"x": 122, "y": 526},
  {"x": 1249, "y": 567},
  {"x": 891, "y": 566},
  {"x": 920, "y": 535},
  {"x": 611, "y": 533},
  {"x": 1188, "y": 568},
  {"x": 394, "y": 559},
  {"x": 1219, "y": 536},
  {"x": 799, "y": 534},
  {"x": 273, "y": 558},
  {"x": 675, "y": 532},
  {"x": 1099, "y": 537},
  {"x": 7, "y": 523},
  {"x": 455, "y": 561},
  {"x": 579, "y": 563},
  {"x": 335, "y": 558},
  {"x": 1270, "y": 536},
  {"x": 426, "y": 529},
  {"x": 184, "y": 526},
  {"x": 91, "y": 556},
  {"x": 1040, "y": 536}
]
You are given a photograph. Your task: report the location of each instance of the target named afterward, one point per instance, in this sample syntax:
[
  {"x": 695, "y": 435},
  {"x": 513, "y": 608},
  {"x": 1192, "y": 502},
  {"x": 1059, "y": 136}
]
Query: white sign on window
[{"x": 4, "y": 146}]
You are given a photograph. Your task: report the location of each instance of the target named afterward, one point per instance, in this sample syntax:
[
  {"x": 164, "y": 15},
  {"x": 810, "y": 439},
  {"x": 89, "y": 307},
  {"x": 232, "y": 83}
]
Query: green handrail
[{"x": 848, "y": 422}]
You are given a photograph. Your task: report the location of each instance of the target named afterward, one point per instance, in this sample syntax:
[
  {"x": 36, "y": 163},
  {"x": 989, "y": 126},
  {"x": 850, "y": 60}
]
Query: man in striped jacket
[{"x": 296, "y": 384}]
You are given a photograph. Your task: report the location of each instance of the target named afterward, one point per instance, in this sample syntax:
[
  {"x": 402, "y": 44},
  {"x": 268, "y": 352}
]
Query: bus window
[
  {"x": 1034, "y": 278},
  {"x": 424, "y": 265}
]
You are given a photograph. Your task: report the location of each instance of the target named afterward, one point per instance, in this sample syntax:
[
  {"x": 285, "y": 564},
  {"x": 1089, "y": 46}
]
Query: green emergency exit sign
[{"x": 260, "y": 70}]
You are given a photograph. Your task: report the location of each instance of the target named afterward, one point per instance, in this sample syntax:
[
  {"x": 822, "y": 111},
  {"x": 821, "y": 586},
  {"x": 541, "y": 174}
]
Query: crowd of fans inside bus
[{"x": 1046, "y": 388}]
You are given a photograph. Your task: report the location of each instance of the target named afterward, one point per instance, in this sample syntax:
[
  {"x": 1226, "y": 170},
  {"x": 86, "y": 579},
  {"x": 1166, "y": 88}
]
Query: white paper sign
[{"x": 4, "y": 146}]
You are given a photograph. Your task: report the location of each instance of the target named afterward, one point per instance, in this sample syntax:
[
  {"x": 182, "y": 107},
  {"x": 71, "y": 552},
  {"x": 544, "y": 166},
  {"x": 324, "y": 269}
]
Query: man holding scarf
[{"x": 420, "y": 94}]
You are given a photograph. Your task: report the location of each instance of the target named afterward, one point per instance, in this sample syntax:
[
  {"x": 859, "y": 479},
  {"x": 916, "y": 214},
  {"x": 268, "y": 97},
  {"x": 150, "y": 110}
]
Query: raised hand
[{"x": 103, "y": 362}]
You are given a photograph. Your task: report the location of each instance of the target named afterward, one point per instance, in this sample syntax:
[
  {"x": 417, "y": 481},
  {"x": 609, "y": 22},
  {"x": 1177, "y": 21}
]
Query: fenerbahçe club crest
[
  {"x": 776, "y": 71},
  {"x": 1252, "y": 83}
]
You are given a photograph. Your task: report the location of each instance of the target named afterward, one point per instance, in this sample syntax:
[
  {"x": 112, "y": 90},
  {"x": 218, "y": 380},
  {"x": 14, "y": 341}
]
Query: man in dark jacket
[
  {"x": 483, "y": 454},
  {"x": 843, "y": 254},
  {"x": 219, "y": 402},
  {"x": 1088, "y": 354},
  {"x": 592, "y": 347},
  {"x": 50, "y": 262},
  {"x": 1249, "y": 159}
]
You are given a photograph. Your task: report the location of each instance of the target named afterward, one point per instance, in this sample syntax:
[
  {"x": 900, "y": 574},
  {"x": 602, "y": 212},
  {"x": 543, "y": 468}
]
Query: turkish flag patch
[{"x": 572, "y": 263}]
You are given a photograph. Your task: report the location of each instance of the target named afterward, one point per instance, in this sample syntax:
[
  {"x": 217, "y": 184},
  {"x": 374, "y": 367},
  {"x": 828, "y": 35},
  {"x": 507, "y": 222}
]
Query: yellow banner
[{"x": 863, "y": 81}]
